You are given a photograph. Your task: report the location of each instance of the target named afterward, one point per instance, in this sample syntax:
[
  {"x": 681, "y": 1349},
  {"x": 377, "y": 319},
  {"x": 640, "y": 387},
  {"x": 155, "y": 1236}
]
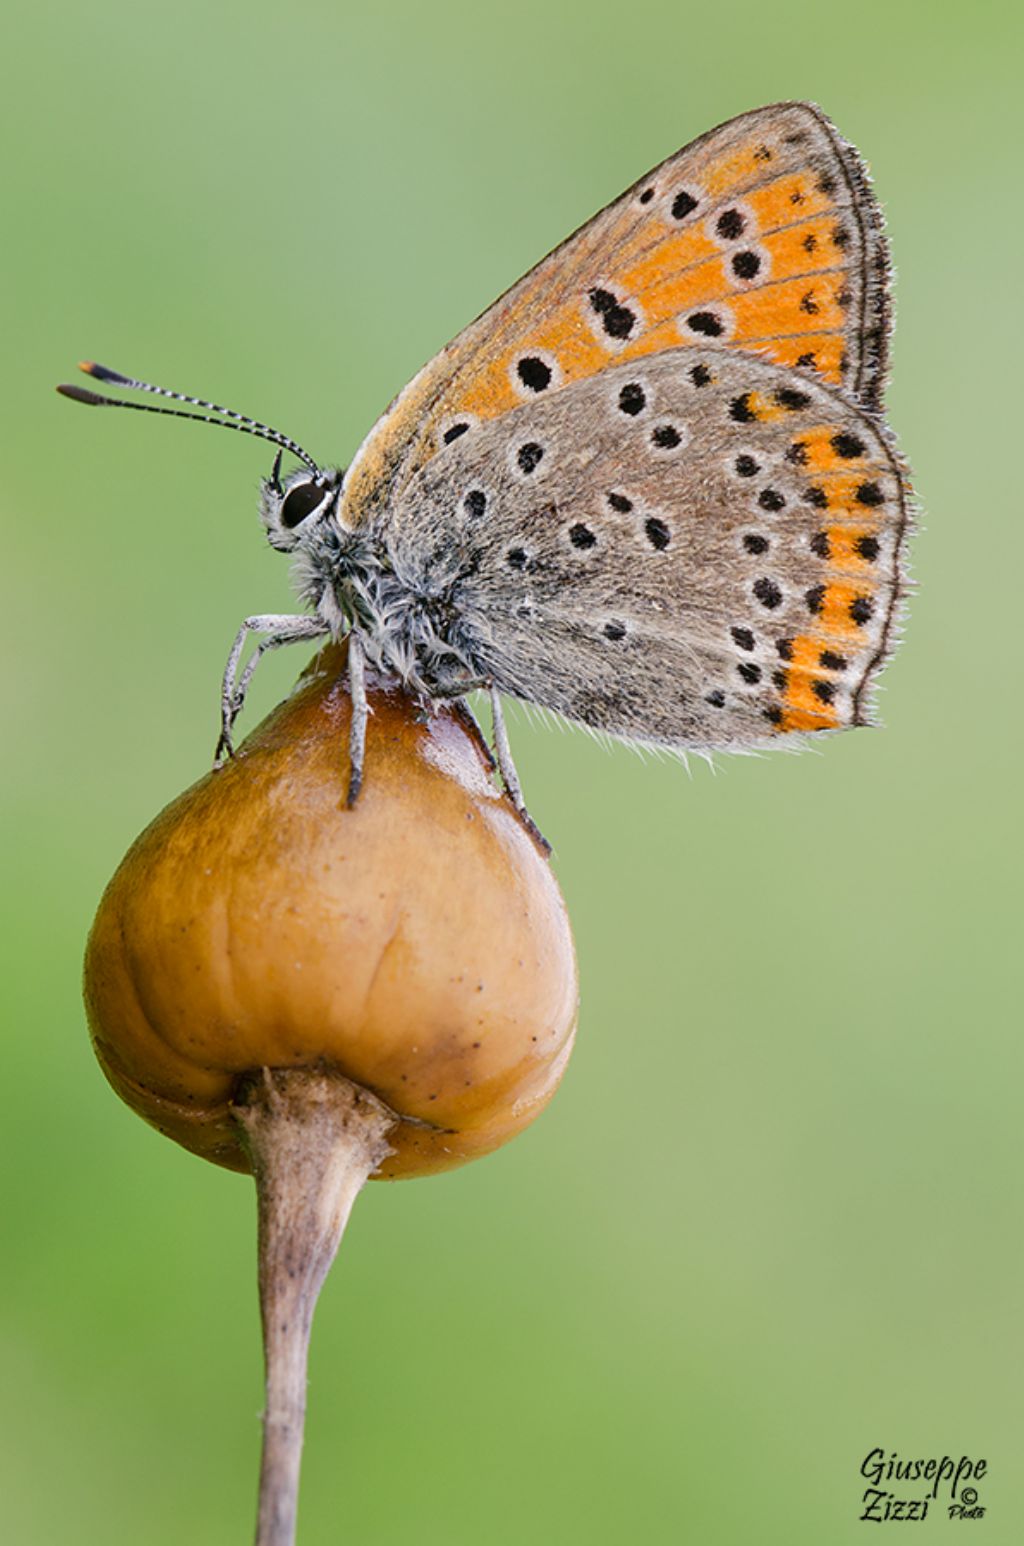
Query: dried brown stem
[{"x": 314, "y": 1138}]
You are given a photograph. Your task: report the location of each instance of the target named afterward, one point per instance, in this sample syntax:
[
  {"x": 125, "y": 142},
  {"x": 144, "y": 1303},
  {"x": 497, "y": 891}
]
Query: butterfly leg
[
  {"x": 282, "y": 629},
  {"x": 360, "y": 715},
  {"x": 507, "y": 769},
  {"x": 463, "y": 712}
]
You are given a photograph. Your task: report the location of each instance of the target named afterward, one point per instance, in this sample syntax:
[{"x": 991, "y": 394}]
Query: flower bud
[{"x": 417, "y": 944}]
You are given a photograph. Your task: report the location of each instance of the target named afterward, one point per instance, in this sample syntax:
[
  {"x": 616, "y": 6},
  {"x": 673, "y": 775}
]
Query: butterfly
[{"x": 649, "y": 489}]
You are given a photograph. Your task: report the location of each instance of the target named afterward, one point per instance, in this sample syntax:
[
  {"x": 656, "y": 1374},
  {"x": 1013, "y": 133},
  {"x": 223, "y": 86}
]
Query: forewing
[
  {"x": 697, "y": 549},
  {"x": 762, "y": 234}
]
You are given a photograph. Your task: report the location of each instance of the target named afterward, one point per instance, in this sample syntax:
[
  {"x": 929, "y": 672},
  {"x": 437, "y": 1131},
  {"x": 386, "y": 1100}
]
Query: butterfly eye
[{"x": 300, "y": 502}]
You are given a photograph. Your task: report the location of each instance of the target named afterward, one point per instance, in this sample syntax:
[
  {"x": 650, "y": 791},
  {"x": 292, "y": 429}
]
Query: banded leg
[
  {"x": 453, "y": 693},
  {"x": 360, "y": 714},
  {"x": 463, "y": 712},
  {"x": 507, "y": 769},
  {"x": 283, "y": 629}
]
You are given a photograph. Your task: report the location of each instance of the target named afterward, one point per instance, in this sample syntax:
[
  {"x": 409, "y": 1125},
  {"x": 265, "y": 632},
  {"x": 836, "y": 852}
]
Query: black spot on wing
[
  {"x": 534, "y": 373},
  {"x": 632, "y": 399},
  {"x": 658, "y": 534}
]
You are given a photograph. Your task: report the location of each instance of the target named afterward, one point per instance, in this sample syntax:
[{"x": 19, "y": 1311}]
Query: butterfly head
[{"x": 294, "y": 509}]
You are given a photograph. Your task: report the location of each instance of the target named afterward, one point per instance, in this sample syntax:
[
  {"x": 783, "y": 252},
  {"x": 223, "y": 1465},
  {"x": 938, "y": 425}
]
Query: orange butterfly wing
[{"x": 763, "y": 235}]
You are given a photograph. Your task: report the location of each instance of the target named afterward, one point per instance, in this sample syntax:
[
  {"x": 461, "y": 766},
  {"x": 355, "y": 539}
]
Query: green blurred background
[{"x": 772, "y": 1218}]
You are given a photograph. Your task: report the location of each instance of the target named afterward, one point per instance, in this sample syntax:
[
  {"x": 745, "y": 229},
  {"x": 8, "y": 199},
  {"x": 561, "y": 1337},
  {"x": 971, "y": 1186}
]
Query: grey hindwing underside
[{"x": 697, "y": 549}]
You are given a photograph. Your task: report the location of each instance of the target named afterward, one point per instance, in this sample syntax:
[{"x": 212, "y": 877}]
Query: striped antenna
[{"x": 230, "y": 419}]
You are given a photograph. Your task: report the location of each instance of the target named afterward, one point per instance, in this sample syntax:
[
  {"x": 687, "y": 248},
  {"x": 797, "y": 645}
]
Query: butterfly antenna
[{"x": 230, "y": 419}]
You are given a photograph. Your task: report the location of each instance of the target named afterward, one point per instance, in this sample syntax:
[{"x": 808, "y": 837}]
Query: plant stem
[{"x": 313, "y": 1138}]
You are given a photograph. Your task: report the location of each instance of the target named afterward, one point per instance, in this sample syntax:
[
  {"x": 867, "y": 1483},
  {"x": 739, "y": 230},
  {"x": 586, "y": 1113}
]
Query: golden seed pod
[{"x": 418, "y": 945}]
